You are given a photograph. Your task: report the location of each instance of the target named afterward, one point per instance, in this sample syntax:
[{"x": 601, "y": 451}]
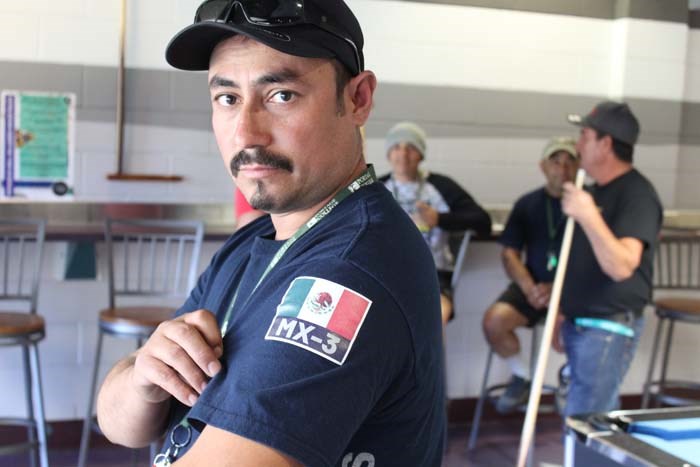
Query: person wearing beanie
[
  {"x": 311, "y": 338},
  {"x": 534, "y": 229},
  {"x": 436, "y": 203},
  {"x": 608, "y": 280}
]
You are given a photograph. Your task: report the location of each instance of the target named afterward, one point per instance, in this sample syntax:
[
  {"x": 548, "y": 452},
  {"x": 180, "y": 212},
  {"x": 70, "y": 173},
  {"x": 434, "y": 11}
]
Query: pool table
[{"x": 666, "y": 437}]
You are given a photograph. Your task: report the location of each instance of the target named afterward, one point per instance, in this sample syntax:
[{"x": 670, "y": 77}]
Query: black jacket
[{"x": 465, "y": 213}]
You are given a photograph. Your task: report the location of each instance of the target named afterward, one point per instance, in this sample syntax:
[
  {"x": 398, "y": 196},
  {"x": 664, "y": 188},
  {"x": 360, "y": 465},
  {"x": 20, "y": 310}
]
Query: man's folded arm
[{"x": 219, "y": 448}]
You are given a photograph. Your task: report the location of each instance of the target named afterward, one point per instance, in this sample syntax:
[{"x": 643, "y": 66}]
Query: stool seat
[
  {"x": 137, "y": 315},
  {"x": 684, "y": 308},
  {"x": 21, "y": 247},
  {"x": 147, "y": 260},
  {"x": 13, "y": 324},
  {"x": 133, "y": 321}
]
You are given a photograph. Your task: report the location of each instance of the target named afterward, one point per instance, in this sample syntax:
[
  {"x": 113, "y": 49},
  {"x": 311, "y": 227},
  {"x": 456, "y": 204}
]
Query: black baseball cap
[
  {"x": 304, "y": 28},
  {"x": 613, "y": 118}
]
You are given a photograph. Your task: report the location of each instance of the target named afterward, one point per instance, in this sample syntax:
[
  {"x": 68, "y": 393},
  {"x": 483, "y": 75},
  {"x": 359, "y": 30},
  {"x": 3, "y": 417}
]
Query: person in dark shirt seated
[{"x": 534, "y": 229}]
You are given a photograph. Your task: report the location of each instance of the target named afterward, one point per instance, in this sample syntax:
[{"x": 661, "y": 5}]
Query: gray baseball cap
[
  {"x": 613, "y": 118},
  {"x": 560, "y": 143}
]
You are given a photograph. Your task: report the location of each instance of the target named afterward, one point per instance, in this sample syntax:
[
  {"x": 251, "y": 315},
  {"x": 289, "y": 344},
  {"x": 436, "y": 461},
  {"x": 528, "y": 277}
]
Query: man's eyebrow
[
  {"x": 217, "y": 81},
  {"x": 284, "y": 75}
]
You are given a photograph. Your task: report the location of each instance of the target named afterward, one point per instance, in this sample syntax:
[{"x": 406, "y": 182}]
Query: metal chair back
[
  {"x": 152, "y": 258},
  {"x": 21, "y": 247},
  {"x": 676, "y": 268},
  {"x": 677, "y": 262},
  {"x": 461, "y": 253}
]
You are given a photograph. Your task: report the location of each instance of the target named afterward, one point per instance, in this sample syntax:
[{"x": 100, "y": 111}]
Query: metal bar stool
[
  {"x": 146, "y": 260},
  {"x": 491, "y": 393},
  {"x": 677, "y": 268},
  {"x": 21, "y": 247}
]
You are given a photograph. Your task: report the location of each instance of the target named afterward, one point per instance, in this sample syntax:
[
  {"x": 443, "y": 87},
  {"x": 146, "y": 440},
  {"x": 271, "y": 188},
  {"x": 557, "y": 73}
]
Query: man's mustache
[{"x": 261, "y": 157}]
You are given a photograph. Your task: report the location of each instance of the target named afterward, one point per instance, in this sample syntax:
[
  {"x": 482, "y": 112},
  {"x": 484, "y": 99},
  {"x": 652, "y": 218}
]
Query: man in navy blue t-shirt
[
  {"x": 534, "y": 229},
  {"x": 311, "y": 338}
]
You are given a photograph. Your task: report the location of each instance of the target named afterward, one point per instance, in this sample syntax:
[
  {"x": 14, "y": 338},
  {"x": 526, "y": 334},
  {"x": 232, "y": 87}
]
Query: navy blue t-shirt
[
  {"x": 336, "y": 356},
  {"x": 532, "y": 230}
]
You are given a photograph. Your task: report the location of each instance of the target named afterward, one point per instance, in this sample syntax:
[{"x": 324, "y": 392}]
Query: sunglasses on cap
[{"x": 269, "y": 13}]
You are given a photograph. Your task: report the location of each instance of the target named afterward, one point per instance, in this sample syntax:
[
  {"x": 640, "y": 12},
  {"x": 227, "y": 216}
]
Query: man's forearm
[
  {"x": 124, "y": 416},
  {"x": 615, "y": 258},
  {"x": 516, "y": 270}
]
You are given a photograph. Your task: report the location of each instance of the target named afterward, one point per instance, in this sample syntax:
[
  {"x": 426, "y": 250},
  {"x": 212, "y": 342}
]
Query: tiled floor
[
  {"x": 498, "y": 443},
  {"x": 497, "y": 446}
]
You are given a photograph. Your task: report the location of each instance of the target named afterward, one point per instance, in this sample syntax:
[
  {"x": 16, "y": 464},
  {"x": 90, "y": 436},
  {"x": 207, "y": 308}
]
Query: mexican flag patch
[{"x": 320, "y": 316}]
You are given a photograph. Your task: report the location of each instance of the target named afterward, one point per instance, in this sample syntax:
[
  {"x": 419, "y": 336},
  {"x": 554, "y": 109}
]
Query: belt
[{"x": 605, "y": 325}]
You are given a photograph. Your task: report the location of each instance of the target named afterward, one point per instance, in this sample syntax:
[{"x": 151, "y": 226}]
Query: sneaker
[
  {"x": 563, "y": 388},
  {"x": 516, "y": 394}
]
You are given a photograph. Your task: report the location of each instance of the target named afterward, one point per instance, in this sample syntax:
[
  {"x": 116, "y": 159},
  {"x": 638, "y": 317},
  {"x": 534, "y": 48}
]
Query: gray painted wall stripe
[
  {"x": 181, "y": 100},
  {"x": 660, "y": 10},
  {"x": 690, "y": 129}
]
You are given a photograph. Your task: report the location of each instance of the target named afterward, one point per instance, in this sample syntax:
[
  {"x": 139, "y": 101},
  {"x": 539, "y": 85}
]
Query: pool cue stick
[{"x": 536, "y": 388}]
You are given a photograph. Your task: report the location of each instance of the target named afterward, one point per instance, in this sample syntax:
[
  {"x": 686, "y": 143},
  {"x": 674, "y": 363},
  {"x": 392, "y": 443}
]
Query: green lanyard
[
  {"x": 366, "y": 178},
  {"x": 552, "y": 229}
]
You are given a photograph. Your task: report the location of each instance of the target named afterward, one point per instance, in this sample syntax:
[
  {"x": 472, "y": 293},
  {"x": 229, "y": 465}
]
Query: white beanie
[{"x": 406, "y": 132}]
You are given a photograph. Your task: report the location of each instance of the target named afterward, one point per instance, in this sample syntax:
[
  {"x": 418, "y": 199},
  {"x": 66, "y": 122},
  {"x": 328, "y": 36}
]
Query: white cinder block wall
[
  {"x": 424, "y": 44},
  {"x": 425, "y": 48}
]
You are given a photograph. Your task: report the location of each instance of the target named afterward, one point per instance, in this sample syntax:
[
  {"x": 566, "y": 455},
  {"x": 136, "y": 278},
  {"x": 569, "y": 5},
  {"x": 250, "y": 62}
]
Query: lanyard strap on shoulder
[{"x": 367, "y": 177}]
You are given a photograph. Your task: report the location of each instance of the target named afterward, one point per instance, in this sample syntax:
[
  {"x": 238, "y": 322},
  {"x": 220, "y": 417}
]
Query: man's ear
[
  {"x": 607, "y": 143},
  {"x": 361, "y": 89},
  {"x": 542, "y": 163}
]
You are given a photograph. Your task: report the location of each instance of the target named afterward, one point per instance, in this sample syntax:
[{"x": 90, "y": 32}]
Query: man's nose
[
  {"x": 402, "y": 151},
  {"x": 252, "y": 127}
]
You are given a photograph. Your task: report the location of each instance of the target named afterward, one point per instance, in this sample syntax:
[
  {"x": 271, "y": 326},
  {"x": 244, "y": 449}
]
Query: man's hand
[
  {"x": 179, "y": 358},
  {"x": 578, "y": 203},
  {"x": 427, "y": 214},
  {"x": 557, "y": 341},
  {"x": 538, "y": 295}
]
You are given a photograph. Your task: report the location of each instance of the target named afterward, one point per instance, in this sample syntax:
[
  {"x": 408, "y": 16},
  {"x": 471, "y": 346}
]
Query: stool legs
[
  {"x": 40, "y": 418},
  {"x": 87, "y": 423},
  {"x": 480, "y": 404},
  {"x": 667, "y": 353},
  {"x": 476, "y": 421},
  {"x": 652, "y": 364},
  {"x": 28, "y": 388},
  {"x": 664, "y": 362}
]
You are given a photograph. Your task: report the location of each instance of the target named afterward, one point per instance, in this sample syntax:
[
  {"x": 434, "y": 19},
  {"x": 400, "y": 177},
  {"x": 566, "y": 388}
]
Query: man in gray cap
[
  {"x": 535, "y": 228},
  {"x": 311, "y": 339},
  {"x": 609, "y": 276},
  {"x": 435, "y": 203}
]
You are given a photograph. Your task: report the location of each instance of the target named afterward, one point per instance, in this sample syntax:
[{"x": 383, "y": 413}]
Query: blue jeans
[{"x": 598, "y": 361}]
